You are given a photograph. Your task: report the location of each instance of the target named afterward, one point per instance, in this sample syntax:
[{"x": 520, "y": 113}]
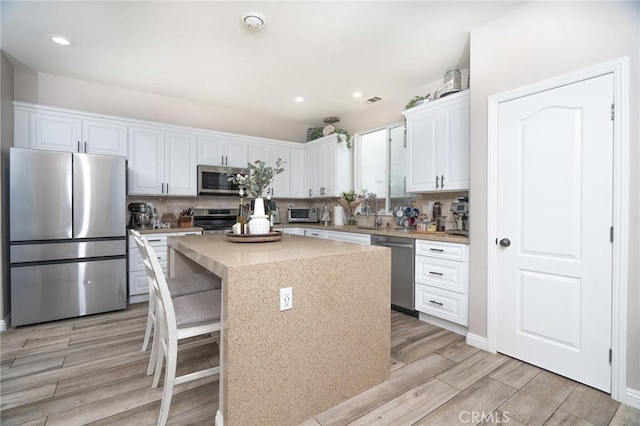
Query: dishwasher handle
[{"x": 384, "y": 244}]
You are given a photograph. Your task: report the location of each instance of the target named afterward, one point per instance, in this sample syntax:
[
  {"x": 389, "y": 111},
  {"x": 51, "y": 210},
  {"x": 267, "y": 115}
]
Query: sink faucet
[{"x": 377, "y": 220}]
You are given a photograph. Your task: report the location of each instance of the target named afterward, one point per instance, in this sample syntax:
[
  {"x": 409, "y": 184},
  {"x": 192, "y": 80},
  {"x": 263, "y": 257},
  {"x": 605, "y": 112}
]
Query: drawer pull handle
[
  {"x": 435, "y": 273},
  {"x": 159, "y": 257},
  {"x": 438, "y": 250},
  {"x": 436, "y": 303},
  {"x": 154, "y": 241}
]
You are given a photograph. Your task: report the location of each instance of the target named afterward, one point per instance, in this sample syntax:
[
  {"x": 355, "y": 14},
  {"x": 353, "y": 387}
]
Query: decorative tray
[
  {"x": 254, "y": 238},
  {"x": 415, "y": 231}
]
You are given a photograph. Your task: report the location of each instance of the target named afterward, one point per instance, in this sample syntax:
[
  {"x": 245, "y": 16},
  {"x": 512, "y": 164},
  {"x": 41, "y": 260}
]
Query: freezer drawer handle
[
  {"x": 435, "y": 273},
  {"x": 438, "y": 250},
  {"x": 436, "y": 303}
]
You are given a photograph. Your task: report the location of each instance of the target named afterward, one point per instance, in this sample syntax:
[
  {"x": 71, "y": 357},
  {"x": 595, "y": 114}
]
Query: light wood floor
[{"x": 91, "y": 371}]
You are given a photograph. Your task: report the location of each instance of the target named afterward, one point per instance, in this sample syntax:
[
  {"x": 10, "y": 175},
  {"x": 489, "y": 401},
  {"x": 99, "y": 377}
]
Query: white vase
[{"x": 259, "y": 223}]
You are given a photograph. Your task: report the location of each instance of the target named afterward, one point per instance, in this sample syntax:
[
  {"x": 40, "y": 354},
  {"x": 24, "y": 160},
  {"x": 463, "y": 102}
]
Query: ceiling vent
[{"x": 373, "y": 99}]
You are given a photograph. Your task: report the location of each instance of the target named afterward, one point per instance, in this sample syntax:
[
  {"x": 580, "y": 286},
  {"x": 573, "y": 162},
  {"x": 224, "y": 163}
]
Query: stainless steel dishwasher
[{"x": 402, "y": 271}]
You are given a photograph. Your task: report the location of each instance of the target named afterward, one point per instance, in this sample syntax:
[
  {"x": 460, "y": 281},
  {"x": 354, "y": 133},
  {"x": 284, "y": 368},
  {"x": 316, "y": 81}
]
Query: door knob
[{"x": 505, "y": 242}]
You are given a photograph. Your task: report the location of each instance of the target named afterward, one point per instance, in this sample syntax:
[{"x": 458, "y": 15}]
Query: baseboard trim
[
  {"x": 3, "y": 325},
  {"x": 477, "y": 341},
  {"x": 447, "y": 325},
  {"x": 632, "y": 398},
  {"x": 219, "y": 421}
]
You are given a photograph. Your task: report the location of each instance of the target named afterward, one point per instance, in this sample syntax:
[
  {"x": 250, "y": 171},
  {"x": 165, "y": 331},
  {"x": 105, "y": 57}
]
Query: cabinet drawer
[
  {"x": 155, "y": 240},
  {"x": 442, "y": 303},
  {"x": 445, "y": 274},
  {"x": 138, "y": 283},
  {"x": 452, "y": 251},
  {"x": 136, "y": 263}
]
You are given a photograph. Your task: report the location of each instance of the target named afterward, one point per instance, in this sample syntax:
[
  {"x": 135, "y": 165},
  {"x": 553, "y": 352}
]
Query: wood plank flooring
[{"x": 90, "y": 371}]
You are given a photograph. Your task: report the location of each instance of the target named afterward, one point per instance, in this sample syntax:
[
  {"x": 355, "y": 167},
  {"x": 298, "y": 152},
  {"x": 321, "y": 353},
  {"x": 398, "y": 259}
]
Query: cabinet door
[
  {"x": 181, "y": 160},
  {"x": 297, "y": 173},
  {"x": 455, "y": 146},
  {"x": 422, "y": 139},
  {"x": 107, "y": 137},
  {"x": 330, "y": 168},
  {"x": 146, "y": 161},
  {"x": 282, "y": 182},
  {"x": 311, "y": 170},
  {"x": 58, "y": 132},
  {"x": 210, "y": 151},
  {"x": 236, "y": 153}
]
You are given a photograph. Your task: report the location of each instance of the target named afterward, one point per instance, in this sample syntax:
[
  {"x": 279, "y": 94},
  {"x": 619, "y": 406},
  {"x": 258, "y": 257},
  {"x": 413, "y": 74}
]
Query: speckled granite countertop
[
  {"x": 170, "y": 230},
  {"x": 382, "y": 231}
]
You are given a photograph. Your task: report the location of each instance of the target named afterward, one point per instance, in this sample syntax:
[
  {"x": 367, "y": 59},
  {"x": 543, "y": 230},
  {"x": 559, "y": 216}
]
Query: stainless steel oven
[
  {"x": 215, "y": 221},
  {"x": 213, "y": 180}
]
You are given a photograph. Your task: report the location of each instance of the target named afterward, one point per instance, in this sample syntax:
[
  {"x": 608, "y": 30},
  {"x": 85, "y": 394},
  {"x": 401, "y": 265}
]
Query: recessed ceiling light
[
  {"x": 357, "y": 95},
  {"x": 299, "y": 99},
  {"x": 253, "y": 20},
  {"x": 58, "y": 39}
]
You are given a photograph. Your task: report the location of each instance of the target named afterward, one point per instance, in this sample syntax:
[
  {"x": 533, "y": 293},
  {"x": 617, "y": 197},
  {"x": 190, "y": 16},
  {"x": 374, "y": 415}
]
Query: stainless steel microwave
[
  {"x": 212, "y": 180},
  {"x": 302, "y": 214}
]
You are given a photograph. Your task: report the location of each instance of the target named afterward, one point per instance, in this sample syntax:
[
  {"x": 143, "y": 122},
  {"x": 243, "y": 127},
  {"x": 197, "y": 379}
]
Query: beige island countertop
[{"x": 282, "y": 367}]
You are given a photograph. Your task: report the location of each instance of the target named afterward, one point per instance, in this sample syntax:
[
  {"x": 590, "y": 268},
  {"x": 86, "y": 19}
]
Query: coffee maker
[
  {"x": 460, "y": 212},
  {"x": 139, "y": 216}
]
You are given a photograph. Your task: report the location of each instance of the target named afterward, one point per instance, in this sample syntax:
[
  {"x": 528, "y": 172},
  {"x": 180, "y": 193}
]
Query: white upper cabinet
[
  {"x": 438, "y": 142},
  {"x": 107, "y": 137},
  {"x": 162, "y": 162},
  {"x": 297, "y": 169},
  {"x": 269, "y": 153},
  {"x": 328, "y": 167},
  {"x": 47, "y": 128},
  {"x": 222, "y": 151}
]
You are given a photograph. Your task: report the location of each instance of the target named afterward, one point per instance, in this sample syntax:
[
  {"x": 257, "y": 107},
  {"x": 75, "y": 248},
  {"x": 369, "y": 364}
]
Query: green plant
[
  {"x": 315, "y": 133},
  {"x": 259, "y": 178},
  {"x": 343, "y": 135},
  {"x": 414, "y": 101}
]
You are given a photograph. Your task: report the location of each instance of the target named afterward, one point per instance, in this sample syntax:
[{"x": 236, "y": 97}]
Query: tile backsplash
[{"x": 175, "y": 205}]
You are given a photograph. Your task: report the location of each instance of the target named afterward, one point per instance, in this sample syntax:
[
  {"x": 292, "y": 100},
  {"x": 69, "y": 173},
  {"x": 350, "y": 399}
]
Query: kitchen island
[{"x": 282, "y": 367}]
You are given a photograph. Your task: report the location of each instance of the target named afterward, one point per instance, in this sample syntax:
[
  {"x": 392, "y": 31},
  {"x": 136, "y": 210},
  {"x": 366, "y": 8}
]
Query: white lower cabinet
[
  {"x": 138, "y": 281},
  {"x": 442, "y": 280},
  {"x": 316, "y": 233},
  {"x": 349, "y": 237}
]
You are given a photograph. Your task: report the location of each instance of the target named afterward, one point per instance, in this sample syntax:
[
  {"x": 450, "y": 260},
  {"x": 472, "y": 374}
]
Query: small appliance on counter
[
  {"x": 215, "y": 221},
  {"x": 460, "y": 212},
  {"x": 302, "y": 214},
  {"x": 140, "y": 216}
]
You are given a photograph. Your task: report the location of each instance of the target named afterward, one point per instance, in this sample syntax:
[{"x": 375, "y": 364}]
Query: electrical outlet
[{"x": 286, "y": 298}]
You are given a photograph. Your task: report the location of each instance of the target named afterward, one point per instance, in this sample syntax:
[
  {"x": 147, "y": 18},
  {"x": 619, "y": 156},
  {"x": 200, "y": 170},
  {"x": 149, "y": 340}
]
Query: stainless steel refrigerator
[{"x": 68, "y": 235}]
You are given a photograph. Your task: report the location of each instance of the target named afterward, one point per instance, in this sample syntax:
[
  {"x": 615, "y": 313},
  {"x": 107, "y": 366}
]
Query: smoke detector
[{"x": 253, "y": 20}]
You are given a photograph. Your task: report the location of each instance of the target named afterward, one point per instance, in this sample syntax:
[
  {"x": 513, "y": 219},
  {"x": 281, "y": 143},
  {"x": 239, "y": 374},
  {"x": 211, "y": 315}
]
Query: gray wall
[
  {"x": 531, "y": 43},
  {"x": 6, "y": 140}
]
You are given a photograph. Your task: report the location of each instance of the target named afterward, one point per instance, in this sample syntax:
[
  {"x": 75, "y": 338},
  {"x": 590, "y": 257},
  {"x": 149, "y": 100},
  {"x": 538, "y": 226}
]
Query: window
[{"x": 380, "y": 165}]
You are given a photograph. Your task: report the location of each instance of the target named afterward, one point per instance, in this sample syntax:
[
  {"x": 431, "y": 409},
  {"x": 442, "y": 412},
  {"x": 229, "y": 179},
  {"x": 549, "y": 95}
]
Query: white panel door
[
  {"x": 555, "y": 163},
  {"x": 58, "y": 132}
]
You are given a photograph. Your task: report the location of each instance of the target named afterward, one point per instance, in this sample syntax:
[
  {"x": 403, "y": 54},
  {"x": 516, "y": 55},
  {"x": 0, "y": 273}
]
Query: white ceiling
[{"x": 323, "y": 51}]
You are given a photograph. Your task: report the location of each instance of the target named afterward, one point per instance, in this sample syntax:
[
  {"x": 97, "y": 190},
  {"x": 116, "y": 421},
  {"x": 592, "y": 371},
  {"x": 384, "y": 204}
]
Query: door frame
[{"x": 620, "y": 261}]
